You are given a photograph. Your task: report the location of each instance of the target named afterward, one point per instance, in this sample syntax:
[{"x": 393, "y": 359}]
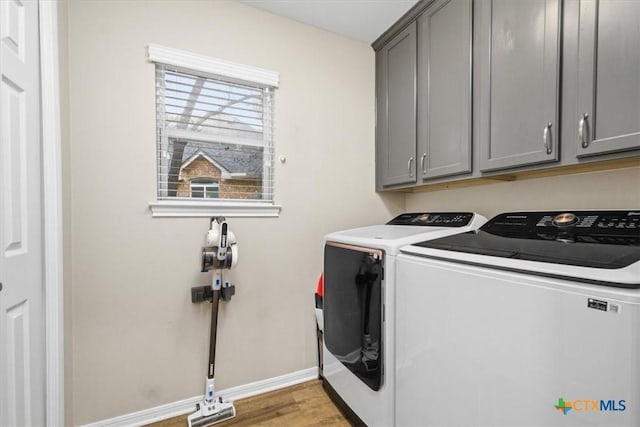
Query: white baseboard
[{"x": 187, "y": 406}]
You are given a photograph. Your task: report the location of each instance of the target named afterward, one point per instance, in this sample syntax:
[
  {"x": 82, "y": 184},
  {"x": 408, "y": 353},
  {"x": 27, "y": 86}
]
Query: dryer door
[{"x": 353, "y": 309}]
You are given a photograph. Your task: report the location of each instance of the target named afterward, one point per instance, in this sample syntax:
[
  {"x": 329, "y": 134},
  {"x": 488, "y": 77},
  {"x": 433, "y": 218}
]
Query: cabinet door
[
  {"x": 519, "y": 82},
  {"x": 444, "y": 89},
  {"x": 608, "y": 77},
  {"x": 396, "y": 76}
]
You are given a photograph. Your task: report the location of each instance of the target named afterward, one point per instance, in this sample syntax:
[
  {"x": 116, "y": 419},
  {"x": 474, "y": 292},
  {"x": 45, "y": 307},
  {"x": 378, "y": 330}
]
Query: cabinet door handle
[
  {"x": 422, "y": 158},
  {"x": 546, "y": 137},
  {"x": 409, "y": 165},
  {"x": 583, "y": 128}
]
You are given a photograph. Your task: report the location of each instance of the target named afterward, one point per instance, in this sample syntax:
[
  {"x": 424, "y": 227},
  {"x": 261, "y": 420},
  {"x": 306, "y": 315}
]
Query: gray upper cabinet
[
  {"x": 396, "y": 109},
  {"x": 476, "y": 88},
  {"x": 518, "y": 66},
  {"x": 444, "y": 89},
  {"x": 608, "y": 77}
]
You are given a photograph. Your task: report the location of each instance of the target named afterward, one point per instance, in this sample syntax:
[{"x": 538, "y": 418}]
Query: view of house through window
[{"x": 214, "y": 137}]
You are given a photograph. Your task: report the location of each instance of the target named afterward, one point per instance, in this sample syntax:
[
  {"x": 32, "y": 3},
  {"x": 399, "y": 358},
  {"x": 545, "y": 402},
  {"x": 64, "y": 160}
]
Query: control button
[{"x": 564, "y": 219}]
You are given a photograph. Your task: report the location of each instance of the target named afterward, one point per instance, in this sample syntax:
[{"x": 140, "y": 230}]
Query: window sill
[{"x": 202, "y": 209}]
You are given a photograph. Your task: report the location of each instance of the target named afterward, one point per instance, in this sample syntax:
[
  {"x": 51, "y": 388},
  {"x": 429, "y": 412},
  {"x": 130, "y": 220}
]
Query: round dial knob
[
  {"x": 423, "y": 218},
  {"x": 565, "y": 219}
]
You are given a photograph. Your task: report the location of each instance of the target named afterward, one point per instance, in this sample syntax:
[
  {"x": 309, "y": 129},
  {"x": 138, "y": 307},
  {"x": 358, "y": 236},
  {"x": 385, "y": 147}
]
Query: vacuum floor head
[{"x": 203, "y": 417}]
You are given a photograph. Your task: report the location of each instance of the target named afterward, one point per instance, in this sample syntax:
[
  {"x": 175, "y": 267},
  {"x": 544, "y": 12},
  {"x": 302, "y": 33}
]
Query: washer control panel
[
  {"x": 607, "y": 227},
  {"x": 608, "y": 220},
  {"x": 434, "y": 219}
]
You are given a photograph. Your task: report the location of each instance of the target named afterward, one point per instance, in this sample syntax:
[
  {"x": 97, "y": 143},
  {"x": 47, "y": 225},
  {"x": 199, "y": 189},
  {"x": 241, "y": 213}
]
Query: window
[
  {"x": 214, "y": 129},
  {"x": 204, "y": 188}
]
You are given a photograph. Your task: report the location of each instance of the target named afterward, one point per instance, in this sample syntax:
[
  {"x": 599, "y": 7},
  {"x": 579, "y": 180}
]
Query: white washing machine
[
  {"x": 534, "y": 320},
  {"x": 359, "y": 308}
]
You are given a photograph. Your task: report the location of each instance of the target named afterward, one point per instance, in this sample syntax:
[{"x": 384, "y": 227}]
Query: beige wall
[
  {"x": 136, "y": 339},
  {"x": 614, "y": 189}
]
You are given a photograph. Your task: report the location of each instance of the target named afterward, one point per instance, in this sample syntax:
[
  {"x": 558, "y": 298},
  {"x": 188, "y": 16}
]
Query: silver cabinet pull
[
  {"x": 546, "y": 137},
  {"x": 583, "y": 130},
  {"x": 409, "y": 165},
  {"x": 422, "y": 158}
]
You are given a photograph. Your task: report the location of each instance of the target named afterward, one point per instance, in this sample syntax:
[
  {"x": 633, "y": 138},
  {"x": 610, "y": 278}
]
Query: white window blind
[{"x": 213, "y": 128}]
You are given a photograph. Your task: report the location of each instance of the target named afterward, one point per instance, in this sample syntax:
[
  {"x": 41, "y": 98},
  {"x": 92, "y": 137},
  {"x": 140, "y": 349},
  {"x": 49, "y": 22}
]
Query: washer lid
[
  {"x": 408, "y": 228},
  {"x": 606, "y": 240}
]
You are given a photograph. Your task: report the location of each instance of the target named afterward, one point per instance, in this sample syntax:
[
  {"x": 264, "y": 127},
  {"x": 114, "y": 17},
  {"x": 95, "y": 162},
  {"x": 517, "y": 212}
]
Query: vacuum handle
[
  {"x": 215, "y": 302},
  {"x": 222, "y": 242}
]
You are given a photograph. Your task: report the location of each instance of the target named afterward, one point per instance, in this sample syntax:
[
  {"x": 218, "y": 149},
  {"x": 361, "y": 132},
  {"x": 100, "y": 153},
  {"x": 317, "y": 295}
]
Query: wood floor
[{"x": 304, "y": 404}]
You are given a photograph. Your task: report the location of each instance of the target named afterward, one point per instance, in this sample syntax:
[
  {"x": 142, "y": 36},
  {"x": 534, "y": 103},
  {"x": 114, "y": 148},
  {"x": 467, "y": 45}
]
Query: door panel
[
  {"x": 444, "y": 89},
  {"x": 397, "y": 108},
  {"x": 608, "y": 77},
  {"x": 22, "y": 353},
  {"x": 18, "y": 381},
  {"x": 519, "y": 83},
  {"x": 13, "y": 107}
]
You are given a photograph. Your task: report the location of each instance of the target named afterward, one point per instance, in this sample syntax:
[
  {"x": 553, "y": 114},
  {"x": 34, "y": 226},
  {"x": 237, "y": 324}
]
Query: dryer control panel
[{"x": 433, "y": 219}]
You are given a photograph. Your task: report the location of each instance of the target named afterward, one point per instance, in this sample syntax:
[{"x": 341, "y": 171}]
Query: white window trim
[
  {"x": 196, "y": 62},
  {"x": 202, "y": 63},
  {"x": 205, "y": 209},
  {"x": 52, "y": 208}
]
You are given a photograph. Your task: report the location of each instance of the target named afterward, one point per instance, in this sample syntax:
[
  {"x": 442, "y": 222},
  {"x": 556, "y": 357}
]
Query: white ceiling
[{"x": 358, "y": 19}]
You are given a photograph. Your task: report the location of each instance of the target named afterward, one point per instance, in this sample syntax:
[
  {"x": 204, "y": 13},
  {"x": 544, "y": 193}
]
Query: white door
[{"x": 22, "y": 351}]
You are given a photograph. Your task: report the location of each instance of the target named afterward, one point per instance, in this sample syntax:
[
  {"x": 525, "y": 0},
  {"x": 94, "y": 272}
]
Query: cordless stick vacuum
[{"x": 220, "y": 254}]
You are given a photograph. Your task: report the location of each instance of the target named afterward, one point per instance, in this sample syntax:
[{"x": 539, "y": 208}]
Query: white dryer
[
  {"x": 534, "y": 320},
  {"x": 359, "y": 308}
]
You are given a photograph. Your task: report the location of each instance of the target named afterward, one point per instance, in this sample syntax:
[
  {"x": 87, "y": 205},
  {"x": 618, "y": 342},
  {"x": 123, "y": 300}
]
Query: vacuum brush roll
[{"x": 197, "y": 419}]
